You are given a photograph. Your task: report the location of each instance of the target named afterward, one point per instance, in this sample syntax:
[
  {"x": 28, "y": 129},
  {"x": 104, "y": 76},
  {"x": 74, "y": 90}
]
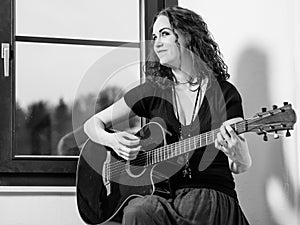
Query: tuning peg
[
  {"x": 265, "y": 138},
  {"x": 275, "y": 106},
  {"x": 276, "y": 135},
  {"x": 288, "y": 134},
  {"x": 264, "y": 109},
  {"x": 285, "y": 103}
]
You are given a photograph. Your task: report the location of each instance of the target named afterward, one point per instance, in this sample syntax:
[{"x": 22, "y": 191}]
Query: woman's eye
[
  {"x": 165, "y": 33},
  {"x": 154, "y": 38}
]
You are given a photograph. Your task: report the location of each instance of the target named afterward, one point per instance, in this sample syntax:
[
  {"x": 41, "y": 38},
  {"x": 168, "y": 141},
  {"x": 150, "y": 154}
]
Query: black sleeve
[
  {"x": 230, "y": 104},
  {"x": 139, "y": 99}
]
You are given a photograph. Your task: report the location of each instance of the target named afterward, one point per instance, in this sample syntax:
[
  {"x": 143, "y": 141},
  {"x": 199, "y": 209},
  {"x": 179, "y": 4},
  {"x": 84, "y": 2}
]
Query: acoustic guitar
[{"x": 105, "y": 182}]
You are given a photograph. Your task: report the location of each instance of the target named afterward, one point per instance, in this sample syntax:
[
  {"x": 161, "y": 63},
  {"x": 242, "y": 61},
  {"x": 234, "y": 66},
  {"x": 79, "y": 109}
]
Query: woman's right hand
[{"x": 126, "y": 145}]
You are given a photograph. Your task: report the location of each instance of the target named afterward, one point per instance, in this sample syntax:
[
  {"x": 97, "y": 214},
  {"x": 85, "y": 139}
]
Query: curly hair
[{"x": 206, "y": 54}]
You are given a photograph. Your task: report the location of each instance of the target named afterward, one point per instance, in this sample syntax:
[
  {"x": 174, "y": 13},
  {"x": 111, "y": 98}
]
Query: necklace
[
  {"x": 180, "y": 82},
  {"x": 187, "y": 170},
  {"x": 185, "y": 82}
]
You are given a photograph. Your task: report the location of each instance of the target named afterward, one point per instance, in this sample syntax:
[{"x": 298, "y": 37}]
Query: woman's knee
[
  {"x": 138, "y": 211},
  {"x": 135, "y": 215}
]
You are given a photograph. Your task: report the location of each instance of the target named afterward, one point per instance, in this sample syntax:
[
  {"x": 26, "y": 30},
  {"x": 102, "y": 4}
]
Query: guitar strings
[
  {"x": 164, "y": 151},
  {"x": 161, "y": 152},
  {"x": 204, "y": 136},
  {"x": 114, "y": 167}
]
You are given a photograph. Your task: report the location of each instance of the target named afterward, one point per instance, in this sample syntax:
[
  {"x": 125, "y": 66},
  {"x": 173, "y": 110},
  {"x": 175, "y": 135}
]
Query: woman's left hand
[{"x": 234, "y": 146}]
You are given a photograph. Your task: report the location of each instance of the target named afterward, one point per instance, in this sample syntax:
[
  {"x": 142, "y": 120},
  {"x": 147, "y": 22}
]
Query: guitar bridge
[{"x": 106, "y": 174}]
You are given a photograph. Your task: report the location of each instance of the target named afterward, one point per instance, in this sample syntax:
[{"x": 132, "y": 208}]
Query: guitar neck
[{"x": 189, "y": 144}]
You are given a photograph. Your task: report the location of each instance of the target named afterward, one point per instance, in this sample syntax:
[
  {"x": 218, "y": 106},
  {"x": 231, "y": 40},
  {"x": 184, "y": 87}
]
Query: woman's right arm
[{"x": 123, "y": 143}]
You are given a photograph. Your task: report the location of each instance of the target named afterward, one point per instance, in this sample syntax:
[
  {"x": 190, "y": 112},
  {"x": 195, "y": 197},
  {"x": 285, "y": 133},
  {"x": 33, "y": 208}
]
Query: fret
[
  {"x": 159, "y": 155},
  {"x": 210, "y": 138},
  {"x": 194, "y": 143},
  {"x": 215, "y": 134},
  {"x": 179, "y": 149},
  {"x": 147, "y": 159},
  {"x": 150, "y": 158},
  {"x": 201, "y": 140},
  {"x": 198, "y": 141},
  {"x": 166, "y": 153},
  {"x": 186, "y": 145},
  {"x": 154, "y": 157},
  {"x": 207, "y": 138},
  {"x": 174, "y": 149},
  {"x": 240, "y": 127}
]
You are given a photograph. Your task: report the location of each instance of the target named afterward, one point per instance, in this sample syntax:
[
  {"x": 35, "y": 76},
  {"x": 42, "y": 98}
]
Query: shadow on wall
[{"x": 253, "y": 81}]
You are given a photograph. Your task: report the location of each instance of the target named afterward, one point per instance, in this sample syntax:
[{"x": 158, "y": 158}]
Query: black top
[{"x": 209, "y": 166}]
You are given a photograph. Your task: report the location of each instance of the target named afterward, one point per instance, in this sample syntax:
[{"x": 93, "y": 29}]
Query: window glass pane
[
  {"x": 114, "y": 20},
  {"x": 55, "y": 82}
]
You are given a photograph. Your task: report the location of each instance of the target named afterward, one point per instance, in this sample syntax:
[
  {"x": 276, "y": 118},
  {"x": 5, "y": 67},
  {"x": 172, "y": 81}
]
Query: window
[{"x": 57, "y": 48}]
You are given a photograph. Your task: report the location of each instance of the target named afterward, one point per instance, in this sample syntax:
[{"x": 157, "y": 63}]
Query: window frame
[{"x": 45, "y": 170}]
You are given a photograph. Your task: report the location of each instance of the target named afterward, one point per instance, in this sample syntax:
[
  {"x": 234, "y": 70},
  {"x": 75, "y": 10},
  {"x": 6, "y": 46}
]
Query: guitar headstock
[{"x": 272, "y": 121}]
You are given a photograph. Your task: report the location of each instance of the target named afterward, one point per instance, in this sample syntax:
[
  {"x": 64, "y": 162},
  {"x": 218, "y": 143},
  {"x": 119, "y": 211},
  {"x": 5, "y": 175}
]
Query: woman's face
[{"x": 165, "y": 45}]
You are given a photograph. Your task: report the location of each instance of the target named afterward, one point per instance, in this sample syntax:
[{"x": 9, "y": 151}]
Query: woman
[{"x": 188, "y": 91}]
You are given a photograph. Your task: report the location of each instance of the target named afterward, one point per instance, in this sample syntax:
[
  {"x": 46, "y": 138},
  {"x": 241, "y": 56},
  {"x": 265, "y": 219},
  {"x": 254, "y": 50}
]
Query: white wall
[
  {"x": 260, "y": 44},
  {"x": 38, "y": 206}
]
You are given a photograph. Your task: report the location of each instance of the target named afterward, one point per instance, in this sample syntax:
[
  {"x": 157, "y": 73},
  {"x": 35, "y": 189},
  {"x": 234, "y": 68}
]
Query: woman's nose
[
  {"x": 158, "y": 42},
  {"x": 157, "y": 45}
]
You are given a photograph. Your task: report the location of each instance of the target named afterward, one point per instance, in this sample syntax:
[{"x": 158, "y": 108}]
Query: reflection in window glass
[
  {"x": 54, "y": 82},
  {"x": 114, "y": 20}
]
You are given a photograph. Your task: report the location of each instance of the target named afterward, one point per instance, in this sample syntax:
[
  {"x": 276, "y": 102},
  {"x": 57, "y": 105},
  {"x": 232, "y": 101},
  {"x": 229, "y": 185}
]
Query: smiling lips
[{"x": 161, "y": 51}]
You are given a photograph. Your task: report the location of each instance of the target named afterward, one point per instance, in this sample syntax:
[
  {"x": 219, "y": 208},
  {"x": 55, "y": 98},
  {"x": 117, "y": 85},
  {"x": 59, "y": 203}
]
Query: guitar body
[{"x": 105, "y": 182}]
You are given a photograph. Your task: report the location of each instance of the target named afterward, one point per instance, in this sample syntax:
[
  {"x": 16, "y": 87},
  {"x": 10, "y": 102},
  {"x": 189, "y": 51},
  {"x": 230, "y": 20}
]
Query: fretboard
[{"x": 175, "y": 149}]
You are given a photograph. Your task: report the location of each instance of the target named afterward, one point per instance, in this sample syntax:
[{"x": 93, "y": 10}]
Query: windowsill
[{"x": 38, "y": 190}]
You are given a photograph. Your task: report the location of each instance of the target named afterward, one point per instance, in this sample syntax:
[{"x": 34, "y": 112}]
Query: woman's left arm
[{"x": 234, "y": 146}]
